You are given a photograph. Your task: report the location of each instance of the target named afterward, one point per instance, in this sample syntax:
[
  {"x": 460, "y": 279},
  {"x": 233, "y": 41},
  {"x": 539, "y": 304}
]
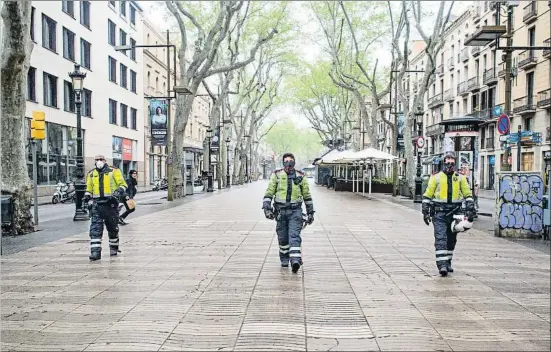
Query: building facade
[
  {"x": 470, "y": 81},
  {"x": 66, "y": 33}
]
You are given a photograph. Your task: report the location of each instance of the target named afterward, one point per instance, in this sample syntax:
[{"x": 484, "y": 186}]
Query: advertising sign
[
  {"x": 116, "y": 149},
  {"x": 126, "y": 149},
  {"x": 158, "y": 120}
]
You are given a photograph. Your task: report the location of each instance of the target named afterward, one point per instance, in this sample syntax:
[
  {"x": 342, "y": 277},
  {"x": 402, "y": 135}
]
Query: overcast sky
[{"x": 309, "y": 49}]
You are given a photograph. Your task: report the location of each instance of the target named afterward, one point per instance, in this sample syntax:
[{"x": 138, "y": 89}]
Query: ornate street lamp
[
  {"x": 80, "y": 185},
  {"x": 420, "y": 145},
  {"x": 209, "y": 174},
  {"x": 228, "y": 183}
]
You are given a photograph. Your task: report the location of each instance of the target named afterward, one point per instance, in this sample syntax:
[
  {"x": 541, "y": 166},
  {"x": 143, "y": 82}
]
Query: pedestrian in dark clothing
[{"x": 131, "y": 191}]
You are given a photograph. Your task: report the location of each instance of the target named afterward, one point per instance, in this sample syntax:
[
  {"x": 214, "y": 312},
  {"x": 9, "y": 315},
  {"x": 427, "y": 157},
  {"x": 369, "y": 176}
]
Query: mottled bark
[{"x": 15, "y": 60}]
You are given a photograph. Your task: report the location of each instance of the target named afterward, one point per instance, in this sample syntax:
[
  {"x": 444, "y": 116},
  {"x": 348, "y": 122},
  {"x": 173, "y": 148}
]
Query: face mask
[
  {"x": 289, "y": 164},
  {"x": 100, "y": 164},
  {"x": 449, "y": 167}
]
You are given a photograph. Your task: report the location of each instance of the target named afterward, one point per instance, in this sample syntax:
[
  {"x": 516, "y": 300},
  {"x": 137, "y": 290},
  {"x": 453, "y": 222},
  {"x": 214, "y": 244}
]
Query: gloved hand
[
  {"x": 426, "y": 219},
  {"x": 310, "y": 218},
  {"x": 469, "y": 210},
  {"x": 86, "y": 198},
  {"x": 269, "y": 213},
  {"x": 425, "y": 208}
]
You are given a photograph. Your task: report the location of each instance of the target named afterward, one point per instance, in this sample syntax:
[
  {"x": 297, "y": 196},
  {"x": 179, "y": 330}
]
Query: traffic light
[{"x": 38, "y": 125}]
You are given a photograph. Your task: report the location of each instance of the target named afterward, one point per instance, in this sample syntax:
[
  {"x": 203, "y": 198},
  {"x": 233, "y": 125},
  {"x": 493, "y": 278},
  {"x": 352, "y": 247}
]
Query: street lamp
[
  {"x": 228, "y": 183},
  {"x": 420, "y": 144},
  {"x": 81, "y": 214},
  {"x": 209, "y": 174}
]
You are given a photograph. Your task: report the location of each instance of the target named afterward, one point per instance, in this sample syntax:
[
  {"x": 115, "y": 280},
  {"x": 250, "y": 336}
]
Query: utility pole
[{"x": 508, "y": 79}]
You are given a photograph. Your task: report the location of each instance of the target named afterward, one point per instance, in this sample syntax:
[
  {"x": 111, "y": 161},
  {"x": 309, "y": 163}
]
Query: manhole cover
[{"x": 152, "y": 203}]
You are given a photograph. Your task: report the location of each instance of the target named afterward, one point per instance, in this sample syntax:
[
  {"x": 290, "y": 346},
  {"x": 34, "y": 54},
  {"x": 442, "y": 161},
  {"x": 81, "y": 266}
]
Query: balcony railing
[
  {"x": 465, "y": 54},
  {"x": 434, "y": 130},
  {"x": 544, "y": 98},
  {"x": 475, "y": 51},
  {"x": 435, "y": 100},
  {"x": 489, "y": 77},
  {"x": 448, "y": 95},
  {"x": 501, "y": 72},
  {"x": 530, "y": 12},
  {"x": 451, "y": 63},
  {"x": 524, "y": 105},
  {"x": 482, "y": 114},
  {"x": 476, "y": 14},
  {"x": 547, "y": 52},
  {"x": 527, "y": 59},
  {"x": 440, "y": 70},
  {"x": 490, "y": 143},
  {"x": 473, "y": 84},
  {"x": 462, "y": 88}
]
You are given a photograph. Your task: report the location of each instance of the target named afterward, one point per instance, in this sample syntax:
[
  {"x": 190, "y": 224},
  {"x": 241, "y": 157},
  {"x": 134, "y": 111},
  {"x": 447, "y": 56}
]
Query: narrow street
[{"x": 205, "y": 276}]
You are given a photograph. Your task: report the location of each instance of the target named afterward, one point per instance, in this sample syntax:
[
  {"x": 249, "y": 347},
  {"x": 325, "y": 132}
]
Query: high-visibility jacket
[
  {"x": 449, "y": 189},
  {"x": 288, "y": 191},
  {"x": 102, "y": 183}
]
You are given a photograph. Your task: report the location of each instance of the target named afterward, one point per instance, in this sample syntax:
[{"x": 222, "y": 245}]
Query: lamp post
[
  {"x": 81, "y": 214},
  {"x": 209, "y": 174},
  {"x": 420, "y": 144},
  {"x": 228, "y": 179}
]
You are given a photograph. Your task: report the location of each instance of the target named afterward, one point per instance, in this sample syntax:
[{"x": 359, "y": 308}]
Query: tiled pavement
[{"x": 206, "y": 276}]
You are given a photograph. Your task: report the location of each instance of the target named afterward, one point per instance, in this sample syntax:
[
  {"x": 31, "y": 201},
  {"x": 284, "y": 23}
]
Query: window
[
  {"x": 123, "y": 8},
  {"x": 122, "y": 39},
  {"x": 133, "y": 81},
  {"x": 85, "y": 54},
  {"x": 68, "y": 44},
  {"x": 133, "y": 119},
  {"x": 111, "y": 32},
  {"x": 86, "y": 102},
  {"x": 50, "y": 90},
  {"x": 49, "y": 33},
  {"x": 68, "y": 7},
  {"x": 528, "y": 124},
  {"x": 112, "y": 3},
  {"x": 132, "y": 15},
  {"x": 133, "y": 50},
  {"x": 112, "y": 112},
  {"x": 32, "y": 23},
  {"x": 68, "y": 97},
  {"x": 124, "y": 77},
  {"x": 112, "y": 69},
  {"x": 85, "y": 14},
  {"x": 31, "y": 84},
  {"x": 124, "y": 115}
]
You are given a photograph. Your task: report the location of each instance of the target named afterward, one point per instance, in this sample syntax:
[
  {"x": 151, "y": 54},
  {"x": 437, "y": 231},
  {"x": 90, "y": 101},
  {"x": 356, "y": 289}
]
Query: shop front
[{"x": 123, "y": 153}]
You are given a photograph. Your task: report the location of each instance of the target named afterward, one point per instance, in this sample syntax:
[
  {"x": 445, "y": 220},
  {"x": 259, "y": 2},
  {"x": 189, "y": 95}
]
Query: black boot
[
  {"x": 449, "y": 267},
  {"x": 113, "y": 251},
  {"x": 285, "y": 263},
  {"x": 295, "y": 266},
  {"x": 443, "y": 271},
  {"x": 95, "y": 254}
]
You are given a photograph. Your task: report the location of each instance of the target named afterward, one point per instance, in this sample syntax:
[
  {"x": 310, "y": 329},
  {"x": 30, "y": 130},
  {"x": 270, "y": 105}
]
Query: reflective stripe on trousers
[
  {"x": 107, "y": 213},
  {"x": 444, "y": 239},
  {"x": 288, "y": 234}
]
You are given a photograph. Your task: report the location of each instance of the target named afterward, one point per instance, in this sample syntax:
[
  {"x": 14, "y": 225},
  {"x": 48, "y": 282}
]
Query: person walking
[
  {"x": 288, "y": 189},
  {"x": 443, "y": 198},
  {"x": 104, "y": 185},
  {"x": 131, "y": 191}
]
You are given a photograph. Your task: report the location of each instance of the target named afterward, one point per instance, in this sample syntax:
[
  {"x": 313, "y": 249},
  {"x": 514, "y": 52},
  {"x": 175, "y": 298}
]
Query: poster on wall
[
  {"x": 127, "y": 149},
  {"x": 158, "y": 121},
  {"x": 116, "y": 149}
]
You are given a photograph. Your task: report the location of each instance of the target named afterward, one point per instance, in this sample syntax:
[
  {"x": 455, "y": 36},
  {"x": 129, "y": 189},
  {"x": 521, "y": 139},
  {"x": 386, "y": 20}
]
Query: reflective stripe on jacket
[
  {"x": 102, "y": 184},
  {"x": 447, "y": 189},
  {"x": 279, "y": 191}
]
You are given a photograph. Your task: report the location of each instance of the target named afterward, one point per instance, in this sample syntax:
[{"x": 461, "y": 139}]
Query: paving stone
[{"x": 192, "y": 278}]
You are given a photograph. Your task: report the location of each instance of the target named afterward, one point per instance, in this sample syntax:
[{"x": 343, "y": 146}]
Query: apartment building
[
  {"x": 155, "y": 86},
  {"x": 470, "y": 81},
  {"x": 66, "y": 33}
]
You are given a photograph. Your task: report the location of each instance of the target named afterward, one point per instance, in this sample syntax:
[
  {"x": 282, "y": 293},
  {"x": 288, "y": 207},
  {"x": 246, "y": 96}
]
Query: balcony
[
  {"x": 475, "y": 51},
  {"x": 473, "y": 84},
  {"x": 451, "y": 63},
  {"x": 485, "y": 114},
  {"x": 527, "y": 59},
  {"x": 462, "y": 88},
  {"x": 465, "y": 54},
  {"x": 501, "y": 72},
  {"x": 440, "y": 70},
  {"x": 547, "y": 53},
  {"x": 448, "y": 95},
  {"x": 489, "y": 78},
  {"x": 435, "y": 130},
  {"x": 544, "y": 99},
  {"x": 524, "y": 106},
  {"x": 530, "y": 12},
  {"x": 476, "y": 15},
  {"x": 490, "y": 143},
  {"x": 435, "y": 100}
]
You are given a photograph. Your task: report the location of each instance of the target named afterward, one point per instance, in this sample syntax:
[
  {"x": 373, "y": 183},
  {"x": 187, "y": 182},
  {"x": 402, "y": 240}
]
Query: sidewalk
[
  {"x": 486, "y": 193},
  {"x": 42, "y": 200},
  {"x": 206, "y": 276}
]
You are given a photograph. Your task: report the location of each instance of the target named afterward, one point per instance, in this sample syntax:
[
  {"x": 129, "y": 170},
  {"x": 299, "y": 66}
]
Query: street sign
[
  {"x": 420, "y": 142},
  {"x": 503, "y": 138},
  {"x": 503, "y": 124},
  {"x": 497, "y": 110}
]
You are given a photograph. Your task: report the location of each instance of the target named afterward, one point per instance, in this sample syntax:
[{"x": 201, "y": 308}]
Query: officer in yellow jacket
[
  {"x": 288, "y": 189},
  {"x": 104, "y": 185},
  {"x": 445, "y": 194}
]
